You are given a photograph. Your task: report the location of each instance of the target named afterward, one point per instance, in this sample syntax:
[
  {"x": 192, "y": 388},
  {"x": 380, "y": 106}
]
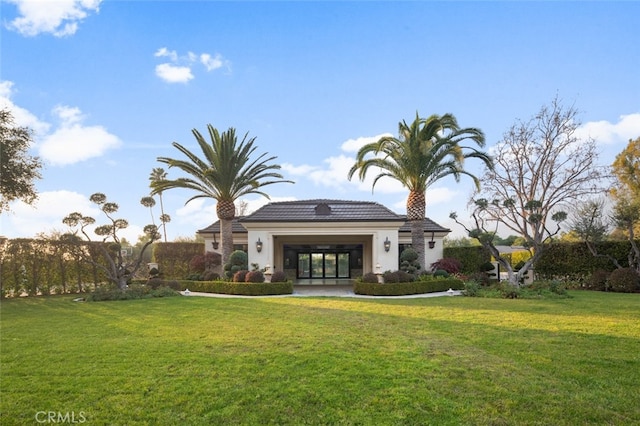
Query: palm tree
[
  {"x": 158, "y": 174},
  {"x": 425, "y": 151},
  {"x": 225, "y": 173}
]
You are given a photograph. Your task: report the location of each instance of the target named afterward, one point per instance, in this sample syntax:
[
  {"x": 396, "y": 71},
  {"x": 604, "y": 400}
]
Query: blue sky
[{"x": 108, "y": 85}]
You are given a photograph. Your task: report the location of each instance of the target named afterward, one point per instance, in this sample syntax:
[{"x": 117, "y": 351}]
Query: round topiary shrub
[
  {"x": 624, "y": 280},
  {"x": 210, "y": 276},
  {"x": 254, "y": 277},
  {"x": 237, "y": 262},
  {"x": 409, "y": 261},
  {"x": 390, "y": 277},
  {"x": 240, "y": 276},
  {"x": 279, "y": 277},
  {"x": 440, "y": 273},
  {"x": 405, "y": 277},
  {"x": 598, "y": 280},
  {"x": 370, "y": 277}
]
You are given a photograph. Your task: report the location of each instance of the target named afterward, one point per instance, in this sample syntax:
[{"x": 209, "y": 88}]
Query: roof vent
[{"x": 323, "y": 209}]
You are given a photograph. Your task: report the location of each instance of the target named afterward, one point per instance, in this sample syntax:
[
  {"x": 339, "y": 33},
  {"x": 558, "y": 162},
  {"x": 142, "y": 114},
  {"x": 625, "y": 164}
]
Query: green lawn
[{"x": 218, "y": 361}]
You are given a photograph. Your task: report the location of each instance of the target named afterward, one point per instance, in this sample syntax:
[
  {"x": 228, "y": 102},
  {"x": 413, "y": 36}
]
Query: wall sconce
[
  {"x": 215, "y": 244},
  {"x": 259, "y": 245},
  {"x": 432, "y": 243},
  {"x": 387, "y": 244}
]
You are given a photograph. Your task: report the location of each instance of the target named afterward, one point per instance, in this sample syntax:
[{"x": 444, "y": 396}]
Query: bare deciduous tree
[{"x": 541, "y": 168}]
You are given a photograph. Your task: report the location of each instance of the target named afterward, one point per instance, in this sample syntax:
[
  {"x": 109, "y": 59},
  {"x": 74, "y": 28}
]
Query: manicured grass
[{"x": 441, "y": 361}]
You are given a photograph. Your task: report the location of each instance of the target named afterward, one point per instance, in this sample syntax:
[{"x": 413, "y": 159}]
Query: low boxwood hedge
[
  {"x": 403, "y": 289},
  {"x": 240, "y": 289}
]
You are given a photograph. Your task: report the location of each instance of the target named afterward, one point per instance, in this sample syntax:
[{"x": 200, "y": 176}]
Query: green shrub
[
  {"x": 624, "y": 280},
  {"x": 507, "y": 290},
  {"x": 440, "y": 273},
  {"x": 154, "y": 282},
  {"x": 238, "y": 288},
  {"x": 406, "y": 288},
  {"x": 134, "y": 291},
  {"x": 369, "y": 277},
  {"x": 409, "y": 261},
  {"x": 471, "y": 288},
  {"x": 405, "y": 277},
  {"x": 238, "y": 261},
  {"x": 210, "y": 276},
  {"x": 390, "y": 277},
  {"x": 486, "y": 267},
  {"x": 597, "y": 280},
  {"x": 240, "y": 276},
  {"x": 542, "y": 286},
  {"x": 254, "y": 277}
]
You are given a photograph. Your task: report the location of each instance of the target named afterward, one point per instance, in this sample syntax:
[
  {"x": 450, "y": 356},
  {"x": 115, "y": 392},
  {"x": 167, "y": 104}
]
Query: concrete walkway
[{"x": 328, "y": 291}]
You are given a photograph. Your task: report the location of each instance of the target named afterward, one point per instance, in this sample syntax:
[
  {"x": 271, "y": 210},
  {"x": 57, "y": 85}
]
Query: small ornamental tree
[
  {"x": 238, "y": 261},
  {"x": 409, "y": 261},
  {"x": 117, "y": 267}
]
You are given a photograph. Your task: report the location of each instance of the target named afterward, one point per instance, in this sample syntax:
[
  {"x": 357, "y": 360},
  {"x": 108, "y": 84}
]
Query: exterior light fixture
[
  {"x": 387, "y": 244},
  {"x": 259, "y": 245},
  {"x": 432, "y": 243},
  {"x": 215, "y": 244}
]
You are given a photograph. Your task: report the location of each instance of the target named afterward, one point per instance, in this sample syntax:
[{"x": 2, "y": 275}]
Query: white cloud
[
  {"x": 72, "y": 142},
  {"x": 604, "y": 132},
  {"x": 21, "y": 116},
  {"x": 197, "y": 214},
  {"x": 334, "y": 171},
  {"x": 173, "y": 73},
  {"x": 212, "y": 63},
  {"x": 58, "y": 17},
  {"x": 180, "y": 68},
  {"x": 164, "y": 52},
  {"x": 353, "y": 145},
  {"x": 46, "y": 213}
]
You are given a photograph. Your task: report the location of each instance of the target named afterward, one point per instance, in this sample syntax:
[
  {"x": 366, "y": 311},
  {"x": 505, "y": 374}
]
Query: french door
[{"x": 323, "y": 265}]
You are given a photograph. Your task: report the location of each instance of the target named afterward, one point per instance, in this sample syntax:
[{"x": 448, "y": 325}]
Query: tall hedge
[
  {"x": 42, "y": 266},
  {"x": 559, "y": 260},
  {"x": 173, "y": 258},
  {"x": 471, "y": 257},
  {"x": 574, "y": 260}
]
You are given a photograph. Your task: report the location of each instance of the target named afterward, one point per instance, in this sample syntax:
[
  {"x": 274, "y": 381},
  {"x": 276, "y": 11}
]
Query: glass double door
[{"x": 323, "y": 265}]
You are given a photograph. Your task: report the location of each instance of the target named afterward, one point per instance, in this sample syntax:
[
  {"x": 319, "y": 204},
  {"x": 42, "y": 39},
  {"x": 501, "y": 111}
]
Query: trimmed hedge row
[
  {"x": 403, "y": 289},
  {"x": 239, "y": 289}
]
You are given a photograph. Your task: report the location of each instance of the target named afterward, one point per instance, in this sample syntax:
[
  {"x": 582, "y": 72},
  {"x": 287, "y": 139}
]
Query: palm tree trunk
[
  {"x": 164, "y": 225},
  {"x": 226, "y": 210},
  {"x": 226, "y": 238},
  {"x": 417, "y": 240},
  {"x": 416, "y": 206}
]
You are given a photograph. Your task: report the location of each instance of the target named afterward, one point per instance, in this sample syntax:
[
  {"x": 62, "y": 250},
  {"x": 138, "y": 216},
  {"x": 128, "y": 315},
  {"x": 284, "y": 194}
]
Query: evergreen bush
[
  {"x": 279, "y": 277},
  {"x": 254, "y": 277},
  {"x": 240, "y": 276},
  {"x": 624, "y": 280}
]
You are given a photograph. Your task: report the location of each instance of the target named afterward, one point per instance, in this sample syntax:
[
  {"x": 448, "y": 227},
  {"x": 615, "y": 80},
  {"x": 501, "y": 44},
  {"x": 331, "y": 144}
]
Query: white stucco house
[{"x": 313, "y": 240}]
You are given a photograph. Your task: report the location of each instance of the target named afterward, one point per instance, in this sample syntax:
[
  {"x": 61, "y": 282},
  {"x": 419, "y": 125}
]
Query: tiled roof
[
  {"x": 322, "y": 211},
  {"x": 236, "y": 227},
  {"x": 429, "y": 226}
]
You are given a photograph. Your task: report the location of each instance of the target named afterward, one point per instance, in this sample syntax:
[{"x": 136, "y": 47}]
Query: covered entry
[{"x": 324, "y": 261}]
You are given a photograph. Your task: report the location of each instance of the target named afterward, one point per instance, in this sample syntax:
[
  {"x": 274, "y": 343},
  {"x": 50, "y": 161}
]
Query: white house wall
[{"x": 372, "y": 234}]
